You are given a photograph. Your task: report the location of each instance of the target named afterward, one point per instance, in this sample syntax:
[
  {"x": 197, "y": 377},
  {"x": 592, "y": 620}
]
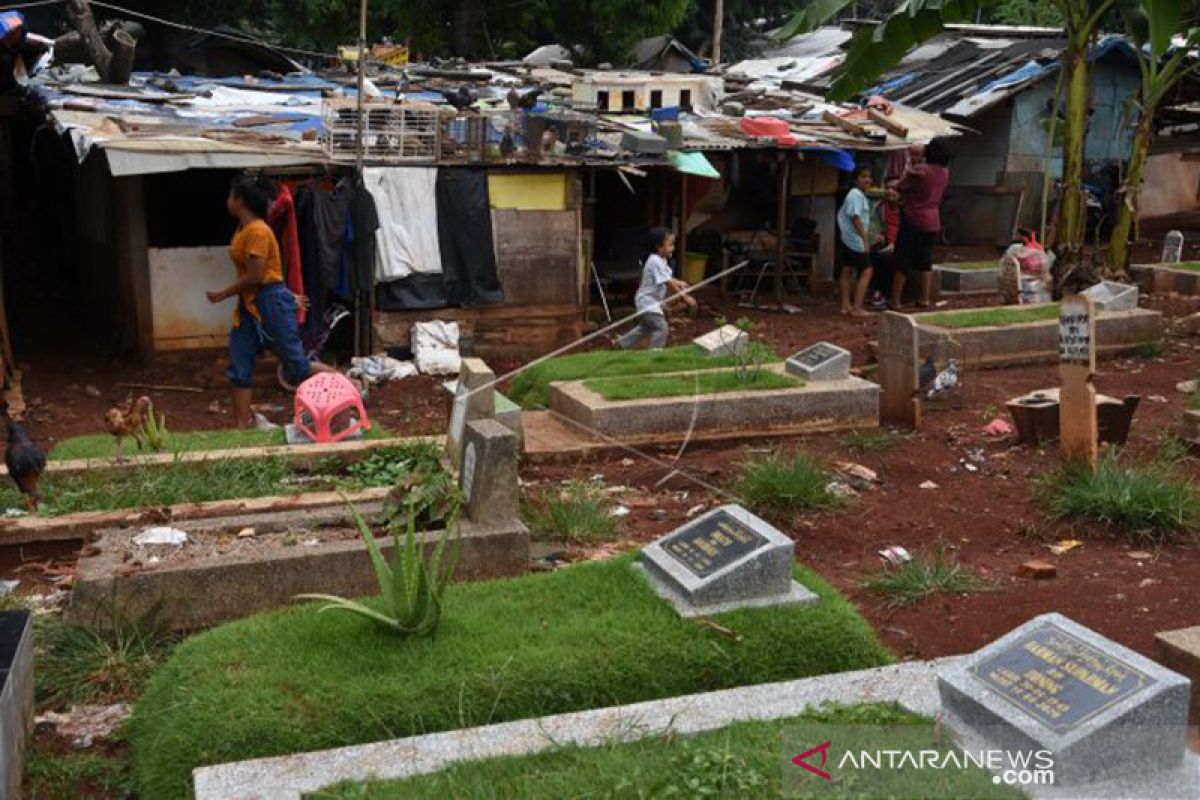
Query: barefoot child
[
  {"x": 656, "y": 280},
  {"x": 853, "y": 220}
]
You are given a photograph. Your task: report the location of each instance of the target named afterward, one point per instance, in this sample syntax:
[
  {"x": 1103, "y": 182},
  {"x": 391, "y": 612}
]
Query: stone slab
[
  {"x": 474, "y": 398},
  {"x": 952, "y": 280},
  {"x": 820, "y": 362},
  {"x": 1113, "y": 296},
  {"x": 506, "y": 411},
  {"x": 1103, "y": 710},
  {"x": 296, "y": 437},
  {"x": 727, "y": 340},
  {"x": 818, "y": 407},
  {"x": 489, "y": 478},
  {"x": 208, "y": 591},
  {"x": 725, "y": 559},
  {"x": 1179, "y": 650},
  {"x": 1117, "y": 333},
  {"x": 16, "y": 697}
]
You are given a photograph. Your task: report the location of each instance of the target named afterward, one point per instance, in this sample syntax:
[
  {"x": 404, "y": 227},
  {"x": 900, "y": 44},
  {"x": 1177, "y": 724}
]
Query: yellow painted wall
[{"x": 529, "y": 191}]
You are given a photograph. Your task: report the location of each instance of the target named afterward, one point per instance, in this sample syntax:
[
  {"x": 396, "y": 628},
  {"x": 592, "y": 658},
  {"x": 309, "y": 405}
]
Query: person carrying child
[
  {"x": 656, "y": 281},
  {"x": 853, "y": 221}
]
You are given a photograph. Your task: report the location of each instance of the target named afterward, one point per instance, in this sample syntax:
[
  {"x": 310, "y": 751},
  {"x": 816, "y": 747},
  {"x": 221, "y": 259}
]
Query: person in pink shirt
[{"x": 921, "y": 191}]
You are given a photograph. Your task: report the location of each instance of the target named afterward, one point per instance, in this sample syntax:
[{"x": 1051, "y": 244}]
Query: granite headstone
[
  {"x": 488, "y": 477},
  {"x": 721, "y": 561},
  {"x": 820, "y": 362},
  {"x": 1102, "y": 710}
]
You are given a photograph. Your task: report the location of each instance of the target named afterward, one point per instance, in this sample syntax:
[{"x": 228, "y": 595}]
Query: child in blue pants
[{"x": 656, "y": 281}]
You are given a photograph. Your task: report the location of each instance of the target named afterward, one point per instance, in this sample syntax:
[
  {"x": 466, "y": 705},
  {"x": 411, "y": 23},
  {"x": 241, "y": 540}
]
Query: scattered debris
[
  {"x": 161, "y": 535},
  {"x": 618, "y": 511},
  {"x": 15, "y": 513},
  {"x": 1140, "y": 555},
  {"x": 1187, "y": 387},
  {"x": 694, "y": 510},
  {"x": 929, "y": 485},
  {"x": 840, "y": 489},
  {"x": 8, "y": 587},
  {"x": 310, "y": 542},
  {"x": 85, "y": 725},
  {"x": 858, "y": 476},
  {"x": 92, "y": 391},
  {"x": 728, "y": 633},
  {"x": 998, "y": 427},
  {"x": 1157, "y": 398},
  {"x": 215, "y": 407},
  {"x": 1148, "y": 582},
  {"x": 1037, "y": 570},
  {"x": 895, "y": 555},
  {"x": 246, "y": 533},
  {"x": 1064, "y": 546}
]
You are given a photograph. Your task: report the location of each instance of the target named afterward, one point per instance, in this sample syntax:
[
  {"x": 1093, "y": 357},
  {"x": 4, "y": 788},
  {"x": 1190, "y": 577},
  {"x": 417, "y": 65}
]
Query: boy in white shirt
[{"x": 656, "y": 281}]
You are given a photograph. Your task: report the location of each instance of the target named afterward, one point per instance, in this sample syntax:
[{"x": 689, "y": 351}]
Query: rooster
[
  {"x": 127, "y": 420},
  {"x": 25, "y": 463}
]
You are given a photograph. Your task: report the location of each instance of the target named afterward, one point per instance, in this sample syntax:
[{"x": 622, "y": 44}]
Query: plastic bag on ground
[
  {"x": 380, "y": 369},
  {"x": 435, "y": 347}
]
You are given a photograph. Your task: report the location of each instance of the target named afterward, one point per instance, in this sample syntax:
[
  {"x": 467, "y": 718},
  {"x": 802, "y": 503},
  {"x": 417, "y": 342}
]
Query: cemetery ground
[{"x": 982, "y": 513}]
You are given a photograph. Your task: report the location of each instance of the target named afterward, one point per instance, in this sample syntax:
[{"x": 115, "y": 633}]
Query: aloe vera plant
[
  {"x": 153, "y": 432},
  {"x": 410, "y": 587}
]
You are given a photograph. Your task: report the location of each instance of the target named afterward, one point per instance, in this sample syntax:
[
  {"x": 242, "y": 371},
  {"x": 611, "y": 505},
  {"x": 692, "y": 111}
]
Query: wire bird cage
[
  {"x": 464, "y": 136},
  {"x": 392, "y": 132}
]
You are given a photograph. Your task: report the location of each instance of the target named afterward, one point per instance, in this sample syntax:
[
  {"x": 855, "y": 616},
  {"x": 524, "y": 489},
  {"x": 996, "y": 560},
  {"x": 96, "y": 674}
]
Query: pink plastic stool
[{"x": 324, "y": 399}]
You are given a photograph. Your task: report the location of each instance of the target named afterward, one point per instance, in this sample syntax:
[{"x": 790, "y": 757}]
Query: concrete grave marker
[
  {"x": 820, "y": 362},
  {"x": 474, "y": 398},
  {"x": 16, "y": 697},
  {"x": 488, "y": 477},
  {"x": 1077, "y": 399},
  {"x": 728, "y": 340},
  {"x": 1102, "y": 710},
  {"x": 724, "y": 560}
]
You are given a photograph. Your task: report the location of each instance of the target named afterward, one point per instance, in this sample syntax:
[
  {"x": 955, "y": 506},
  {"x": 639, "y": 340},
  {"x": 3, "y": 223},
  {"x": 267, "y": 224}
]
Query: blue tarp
[{"x": 842, "y": 160}]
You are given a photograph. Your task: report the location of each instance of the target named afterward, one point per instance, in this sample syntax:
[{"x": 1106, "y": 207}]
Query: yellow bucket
[{"x": 694, "y": 265}]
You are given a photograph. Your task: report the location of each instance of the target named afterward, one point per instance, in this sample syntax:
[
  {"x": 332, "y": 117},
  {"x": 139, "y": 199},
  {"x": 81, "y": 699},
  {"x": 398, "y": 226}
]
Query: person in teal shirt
[{"x": 853, "y": 222}]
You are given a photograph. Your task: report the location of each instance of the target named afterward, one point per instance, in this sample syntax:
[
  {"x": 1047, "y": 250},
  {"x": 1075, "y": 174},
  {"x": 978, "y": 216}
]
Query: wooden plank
[
  {"x": 129, "y": 205},
  {"x": 846, "y": 125},
  {"x": 899, "y": 370},
  {"x": 67, "y": 527},
  {"x": 887, "y": 123},
  {"x": 537, "y": 255},
  {"x": 1077, "y": 423}
]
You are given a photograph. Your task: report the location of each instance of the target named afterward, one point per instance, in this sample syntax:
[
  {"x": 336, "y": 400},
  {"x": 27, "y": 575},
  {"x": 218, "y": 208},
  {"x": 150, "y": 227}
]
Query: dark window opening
[
  {"x": 602, "y": 101},
  {"x": 685, "y": 99},
  {"x": 656, "y": 98},
  {"x": 628, "y": 100}
]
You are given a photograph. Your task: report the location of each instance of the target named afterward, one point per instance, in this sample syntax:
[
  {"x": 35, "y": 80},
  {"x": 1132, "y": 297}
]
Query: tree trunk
[
  {"x": 1071, "y": 229},
  {"x": 468, "y": 22},
  {"x": 1118, "y": 246},
  {"x": 718, "y": 30},
  {"x": 79, "y": 12}
]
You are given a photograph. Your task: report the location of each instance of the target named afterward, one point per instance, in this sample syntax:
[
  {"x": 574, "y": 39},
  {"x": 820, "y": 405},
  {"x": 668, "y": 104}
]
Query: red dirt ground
[{"x": 988, "y": 516}]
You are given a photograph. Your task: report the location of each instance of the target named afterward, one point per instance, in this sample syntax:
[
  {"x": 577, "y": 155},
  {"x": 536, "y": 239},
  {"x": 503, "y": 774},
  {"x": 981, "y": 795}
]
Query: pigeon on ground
[
  {"x": 946, "y": 380},
  {"x": 927, "y": 374}
]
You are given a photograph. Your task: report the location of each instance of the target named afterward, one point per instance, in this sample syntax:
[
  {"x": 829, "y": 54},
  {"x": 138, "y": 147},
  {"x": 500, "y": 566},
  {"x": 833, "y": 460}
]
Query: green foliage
[
  {"x": 741, "y": 760},
  {"x": 876, "y": 441},
  {"x": 1027, "y": 13},
  {"x": 107, "y": 660},
  {"x": 410, "y": 588},
  {"x": 391, "y": 465},
  {"x": 921, "y": 578},
  {"x": 749, "y": 359},
  {"x": 531, "y": 388},
  {"x": 1149, "y": 502},
  {"x": 1151, "y": 348},
  {"x": 579, "y": 512},
  {"x": 153, "y": 434},
  {"x": 587, "y": 636},
  {"x": 62, "y": 775},
  {"x": 779, "y": 487},
  {"x": 695, "y": 383},
  {"x": 986, "y": 317}
]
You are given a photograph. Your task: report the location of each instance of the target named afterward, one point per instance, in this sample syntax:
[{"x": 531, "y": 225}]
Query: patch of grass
[
  {"x": 1151, "y": 348},
  {"x": 1186, "y": 266},
  {"x": 579, "y": 512},
  {"x": 971, "y": 264},
  {"x": 1147, "y": 502},
  {"x": 218, "y": 479},
  {"x": 921, "y": 578},
  {"x": 687, "y": 384},
  {"x": 1194, "y": 400},
  {"x": 876, "y": 441},
  {"x": 588, "y": 636},
  {"x": 101, "y": 445},
  {"x": 1172, "y": 448},
  {"x": 98, "y": 664},
  {"x": 741, "y": 760},
  {"x": 52, "y": 776},
  {"x": 987, "y": 317},
  {"x": 778, "y": 486},
  {"x": 531, "y": 388}
]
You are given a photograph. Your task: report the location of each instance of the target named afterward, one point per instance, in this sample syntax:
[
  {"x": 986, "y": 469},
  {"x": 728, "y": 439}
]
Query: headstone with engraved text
[
  {"x": 1103, "y": 711},
  {"x": 721, "y": 561},
  {"x": 820, "y": 362}
]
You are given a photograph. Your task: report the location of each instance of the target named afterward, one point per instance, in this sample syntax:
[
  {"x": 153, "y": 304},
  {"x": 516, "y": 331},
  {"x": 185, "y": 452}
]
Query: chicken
[
  {"x": 127, "y": 420},
  {"x": 25, "y": 463},
  {"x": 946, "y": 380}
]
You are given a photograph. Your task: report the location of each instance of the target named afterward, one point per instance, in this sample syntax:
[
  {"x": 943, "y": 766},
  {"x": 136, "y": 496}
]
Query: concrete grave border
[
  {"x": 818, "y": 407},
  {"x": 955, "y": 281},
  {"x": 1164, "y": 279}
]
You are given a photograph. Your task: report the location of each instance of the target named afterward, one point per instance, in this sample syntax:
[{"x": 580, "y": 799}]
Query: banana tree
[
  {"x": 1152, "y": 25},
  {"x": 874, "y": 50}
]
